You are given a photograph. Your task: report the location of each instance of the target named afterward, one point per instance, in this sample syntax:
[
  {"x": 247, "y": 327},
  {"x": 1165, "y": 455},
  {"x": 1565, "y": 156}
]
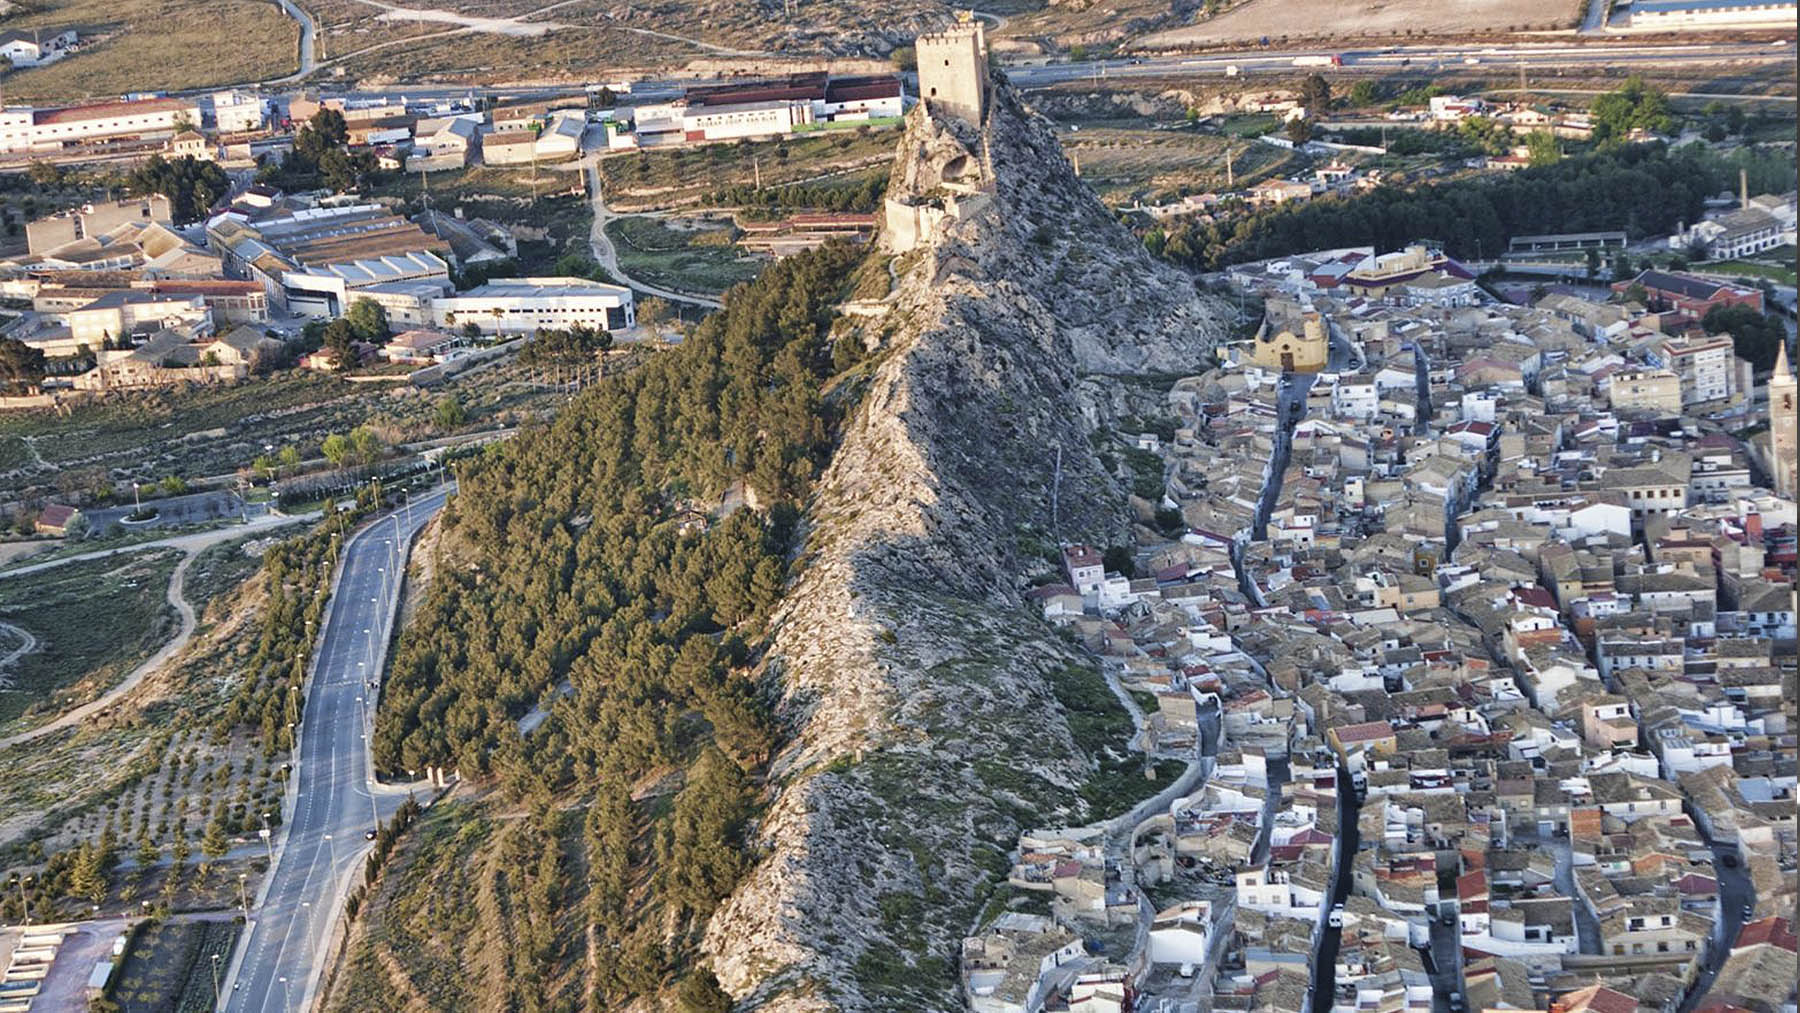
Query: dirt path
[
  {"x": 607, "y": 256},
  {"x": 516, "y": 26},
  {"x": 175, "y": 597},
  {"x": 28, "y": 643},
  {"x": 190, "y": 544},
  {"x": 31, "y": 445}
]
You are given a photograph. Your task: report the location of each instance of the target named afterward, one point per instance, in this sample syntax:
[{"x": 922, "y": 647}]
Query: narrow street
[
  {"x": 1349, "y": 839},
  {"x": 1446, "y": 963},
  {"x": 1735, "y": 894}
]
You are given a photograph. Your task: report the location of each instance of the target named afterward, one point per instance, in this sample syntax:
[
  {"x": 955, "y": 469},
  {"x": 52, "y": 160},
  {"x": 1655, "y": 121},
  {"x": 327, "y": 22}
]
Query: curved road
[
  {"x": 27, "y": 643},
  {"x": 335, "y": 799},
  {"x": 191, "y": 546},
  {"x": 309, "y": 33},
  {"x": 193, "y": 542},
  {"x": 607, "y": 256}
]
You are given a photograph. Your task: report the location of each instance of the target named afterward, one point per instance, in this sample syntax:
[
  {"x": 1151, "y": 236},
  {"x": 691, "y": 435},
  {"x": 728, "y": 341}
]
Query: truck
[{"x": 1333, "y": 60}]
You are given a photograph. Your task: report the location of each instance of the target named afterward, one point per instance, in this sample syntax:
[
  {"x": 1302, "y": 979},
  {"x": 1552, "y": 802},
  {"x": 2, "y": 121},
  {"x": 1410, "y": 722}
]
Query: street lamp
[
  {"x": 268, "y": 841},
  {"x": 244, "y": 893},
  {"x": 137, "y": 499},
  {"x": 24, "y": 902},
  {"x": 215, "y": 962}
]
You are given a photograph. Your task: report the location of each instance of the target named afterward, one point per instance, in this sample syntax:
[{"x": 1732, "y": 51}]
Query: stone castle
[
  {"x": 953, "y": 79},
  {"x": 954, "y": 89}
]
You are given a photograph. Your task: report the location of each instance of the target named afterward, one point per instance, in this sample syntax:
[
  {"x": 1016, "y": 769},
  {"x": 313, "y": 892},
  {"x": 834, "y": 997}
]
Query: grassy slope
[
  {"x": 652, "y": 252},
  {"x": 156, "y": 45},
  {"x": 94, "y": 620}
]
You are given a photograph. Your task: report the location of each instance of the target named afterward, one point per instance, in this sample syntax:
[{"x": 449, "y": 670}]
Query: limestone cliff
[{"x": 925, "y": 731}]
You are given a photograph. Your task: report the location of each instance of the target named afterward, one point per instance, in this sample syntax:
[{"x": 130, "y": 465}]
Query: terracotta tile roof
[
  {"x": 104, "y": 110},
  {"x": 1776, "y": 931}
]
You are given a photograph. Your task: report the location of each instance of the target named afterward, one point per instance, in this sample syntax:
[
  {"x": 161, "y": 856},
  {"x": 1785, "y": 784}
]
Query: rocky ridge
[{"x": 916, "y": 684}]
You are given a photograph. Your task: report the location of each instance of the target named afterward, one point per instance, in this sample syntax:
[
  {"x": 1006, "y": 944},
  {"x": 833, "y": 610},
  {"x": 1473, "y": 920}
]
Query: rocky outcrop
[{"x": 925, "y": 732}]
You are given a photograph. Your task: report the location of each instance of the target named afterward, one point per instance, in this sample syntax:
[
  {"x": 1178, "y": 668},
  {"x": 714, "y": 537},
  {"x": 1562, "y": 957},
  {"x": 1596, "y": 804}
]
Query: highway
[
  {"x": 302, "y": 898},
  {"x": 1539, "y": 56}
]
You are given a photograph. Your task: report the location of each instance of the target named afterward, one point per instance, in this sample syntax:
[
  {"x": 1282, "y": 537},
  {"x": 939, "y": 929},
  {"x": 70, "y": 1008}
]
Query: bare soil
[{"x": 1308, "y": 19}]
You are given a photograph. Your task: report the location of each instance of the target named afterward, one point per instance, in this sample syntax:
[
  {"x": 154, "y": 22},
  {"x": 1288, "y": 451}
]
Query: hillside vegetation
[{"x": 590, "y": 560}]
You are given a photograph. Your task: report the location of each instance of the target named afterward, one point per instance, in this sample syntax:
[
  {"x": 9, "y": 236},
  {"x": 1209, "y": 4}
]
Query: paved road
[
  {"x": 302, "y": 898},
  {"x": 1735, "y": 894},
  {"x": 1290, "y": 407},
  {"x": 309, "y": 33},
  {"x": 1547, "y": 56},
  {"x": 607, "y": 256},
  {"x": 1349, "y": 840}
]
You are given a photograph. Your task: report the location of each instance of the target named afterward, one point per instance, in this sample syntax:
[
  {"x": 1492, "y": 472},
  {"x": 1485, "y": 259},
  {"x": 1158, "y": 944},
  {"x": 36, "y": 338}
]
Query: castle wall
[{"x": 953, "y": 77}]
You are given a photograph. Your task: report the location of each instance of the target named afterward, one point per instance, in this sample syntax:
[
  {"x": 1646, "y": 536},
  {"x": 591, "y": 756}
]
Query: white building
[
  {"x": 1455, "y": 107},
  {"x": 796, "y": 104},
  {"x": 524, "y": 305},
  {"x": 1085, "y": 568},
  {"x": 1179, "y": 934},
  {"x": 1272, "y": 890},
  {"x": 237, "y": 112},
  {"x": 1686, "y": 751},
  {"x": 1741, "y": 233},
  {"x": 23, "y": 128},
  {"x": 1704, "y": 365},
  {"x": 749, "y": 119},
  {"x": 328, "y": 289},
  {"x": 34, "y": 47},
  {"x": 1355, "y": 397},
  {"x": 559, "y": 141},
  {"x": 1669, "y": 15},
  {"x": 408, "y": 304}
]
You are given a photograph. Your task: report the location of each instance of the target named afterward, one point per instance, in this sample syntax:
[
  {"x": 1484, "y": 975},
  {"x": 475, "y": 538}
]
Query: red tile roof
[
  {"x": 1471, "y": 885},
  {"x": 56, "y": 515},
  {"x": 104, "y": 110},
  {"x": 1776, "y": 931},
  {"x": 1368, "y": 731}
]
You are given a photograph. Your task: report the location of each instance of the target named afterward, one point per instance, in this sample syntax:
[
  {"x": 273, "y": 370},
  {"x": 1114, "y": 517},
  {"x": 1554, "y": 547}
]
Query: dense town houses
[{"x": 1496, "y": 617}]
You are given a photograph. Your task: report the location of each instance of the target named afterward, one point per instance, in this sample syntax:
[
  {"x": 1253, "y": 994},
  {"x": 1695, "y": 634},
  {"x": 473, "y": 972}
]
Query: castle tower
[
  {"x": 1784, "y": 400},
  {"x": 953, "y": 79}
]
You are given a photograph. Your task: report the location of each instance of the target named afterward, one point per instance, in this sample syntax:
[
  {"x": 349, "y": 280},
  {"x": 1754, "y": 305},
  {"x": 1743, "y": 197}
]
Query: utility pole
[{"x": 1230, "y": 182}]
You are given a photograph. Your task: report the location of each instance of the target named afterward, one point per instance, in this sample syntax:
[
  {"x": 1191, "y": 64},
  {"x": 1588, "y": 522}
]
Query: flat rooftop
[{"x": 544, "y": 288}]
